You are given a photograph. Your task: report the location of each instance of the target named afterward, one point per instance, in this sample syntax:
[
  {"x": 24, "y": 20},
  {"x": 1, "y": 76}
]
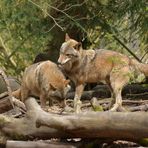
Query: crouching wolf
[
  {"x": 44, "y": 80},
  {"x": 89, "y": 66}
]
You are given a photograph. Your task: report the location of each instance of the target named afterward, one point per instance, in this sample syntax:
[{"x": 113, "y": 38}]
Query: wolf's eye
[
  {"x": 75, "y": 47},
  {"x": 68, "y": 55}
]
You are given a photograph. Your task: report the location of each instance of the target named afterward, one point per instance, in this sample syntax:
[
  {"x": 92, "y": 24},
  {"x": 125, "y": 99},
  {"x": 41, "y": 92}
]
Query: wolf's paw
[
  {"x": 118, "y": 108},
  {"x": 114, "y": 108},
  {"x": 121, "y": 109},
  {"x": 77, "y": 106}
]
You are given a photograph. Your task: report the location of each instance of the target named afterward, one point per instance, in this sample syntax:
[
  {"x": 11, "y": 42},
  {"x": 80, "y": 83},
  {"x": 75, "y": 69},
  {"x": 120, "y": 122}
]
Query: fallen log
[
  {"x": 102, "y": 124},
  {"x": 40, "y": 124},
  {"x": 132, "y": 91},
  {"x": 25, "y": 128},
  {"x": 141, "y": 95},
  {"x": 139, "y": 108},
  {"x": 37, "y": 144}
]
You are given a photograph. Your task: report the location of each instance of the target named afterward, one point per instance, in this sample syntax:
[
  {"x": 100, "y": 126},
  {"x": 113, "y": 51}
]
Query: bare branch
[
  {"x": 76, "y": 5},
  {"x": 47, "y": 14},
  {"x": 50, "y": 28},
  {"x": 68, "y": 16},
  {"x": 144, "y": 55}
]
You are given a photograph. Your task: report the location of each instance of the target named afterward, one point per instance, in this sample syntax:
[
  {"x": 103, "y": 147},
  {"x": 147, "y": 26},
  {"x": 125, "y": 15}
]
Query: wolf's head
[
  {"x": 70, "y": 51},
  {"x": 59, "y": 91}
]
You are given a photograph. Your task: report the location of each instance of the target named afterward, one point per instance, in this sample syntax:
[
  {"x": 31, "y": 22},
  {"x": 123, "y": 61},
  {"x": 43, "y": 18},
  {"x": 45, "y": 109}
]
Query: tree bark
[
  {"x": 40, "y": 124},
  {"x": 101, "y": 124}
]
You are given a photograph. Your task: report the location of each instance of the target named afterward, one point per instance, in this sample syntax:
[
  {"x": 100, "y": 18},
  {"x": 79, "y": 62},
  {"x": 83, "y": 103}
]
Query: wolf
[
  {"x": 44, "y": 80},
  {"x": 100, "y": 65}
]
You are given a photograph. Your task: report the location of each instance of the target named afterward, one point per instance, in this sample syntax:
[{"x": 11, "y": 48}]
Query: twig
[
  {"x": 76, "y": 5},
  {"x": 2, "y": 95},
  {"x": 50, "y": 28}
]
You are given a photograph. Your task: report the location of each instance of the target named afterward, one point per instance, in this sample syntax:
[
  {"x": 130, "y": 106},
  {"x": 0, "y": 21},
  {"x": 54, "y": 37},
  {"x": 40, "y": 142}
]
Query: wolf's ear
[
  {"x": 66, "y": 82},
  {"x": 78, "y": 46},
  {"x": 67, "y": 37}
]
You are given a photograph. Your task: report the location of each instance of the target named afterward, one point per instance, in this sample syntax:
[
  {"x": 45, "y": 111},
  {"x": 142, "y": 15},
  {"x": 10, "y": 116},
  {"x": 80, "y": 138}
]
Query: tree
[{"x": 28, "y": 27}]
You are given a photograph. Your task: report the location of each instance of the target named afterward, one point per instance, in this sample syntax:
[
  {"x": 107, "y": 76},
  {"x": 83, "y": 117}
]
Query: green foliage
[
  {"x": 98, "y": 108},
  {"x": 143, "y": 142},
  {"x": 23, "y": 34},
  {"x": 28, "y": 27}
]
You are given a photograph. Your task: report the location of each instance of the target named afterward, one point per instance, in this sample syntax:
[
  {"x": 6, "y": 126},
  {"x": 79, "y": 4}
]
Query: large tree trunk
[{"x": 40, "y": 124}]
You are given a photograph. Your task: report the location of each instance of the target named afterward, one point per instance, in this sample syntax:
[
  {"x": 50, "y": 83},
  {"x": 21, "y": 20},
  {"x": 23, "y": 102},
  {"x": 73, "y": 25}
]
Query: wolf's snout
[
  {"x": 59, "y": 61},
  {"x": 63, "y": 61}
]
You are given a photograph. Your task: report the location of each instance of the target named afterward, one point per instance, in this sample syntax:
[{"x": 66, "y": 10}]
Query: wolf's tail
[
  {"x": 17, "y": 94},
  {"x": 140, "y": 66}
]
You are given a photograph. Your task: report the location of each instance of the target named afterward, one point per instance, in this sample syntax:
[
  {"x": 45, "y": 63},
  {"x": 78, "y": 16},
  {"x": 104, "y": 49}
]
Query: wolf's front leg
[
  {"x": 78, "y": 94},
  {"x": 43, "y": 100}
]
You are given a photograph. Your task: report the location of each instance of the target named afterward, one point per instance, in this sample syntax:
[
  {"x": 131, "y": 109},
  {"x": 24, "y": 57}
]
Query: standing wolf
[
  {"x": 89, "y": 66},
  {"x": 44, "y": 80}
]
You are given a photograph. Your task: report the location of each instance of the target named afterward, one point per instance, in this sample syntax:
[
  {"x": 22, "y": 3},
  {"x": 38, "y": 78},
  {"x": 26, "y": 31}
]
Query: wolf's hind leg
[
  {"x": 111, "y": 90},
  {"x": 78, "y": 94},
  {"x": 118, "y": 81}
]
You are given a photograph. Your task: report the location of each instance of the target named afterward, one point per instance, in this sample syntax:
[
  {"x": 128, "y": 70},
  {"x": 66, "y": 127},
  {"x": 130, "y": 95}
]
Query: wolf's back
[{"x": 140, "y": 66}]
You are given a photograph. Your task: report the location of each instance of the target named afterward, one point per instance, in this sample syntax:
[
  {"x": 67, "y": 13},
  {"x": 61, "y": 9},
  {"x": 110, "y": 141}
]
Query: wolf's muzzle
[{"x": 64, "y": 61}]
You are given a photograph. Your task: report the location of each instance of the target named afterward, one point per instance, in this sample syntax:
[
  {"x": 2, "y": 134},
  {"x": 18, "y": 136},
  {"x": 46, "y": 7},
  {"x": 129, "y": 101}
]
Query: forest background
[{"x": 30, "y": 27}]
